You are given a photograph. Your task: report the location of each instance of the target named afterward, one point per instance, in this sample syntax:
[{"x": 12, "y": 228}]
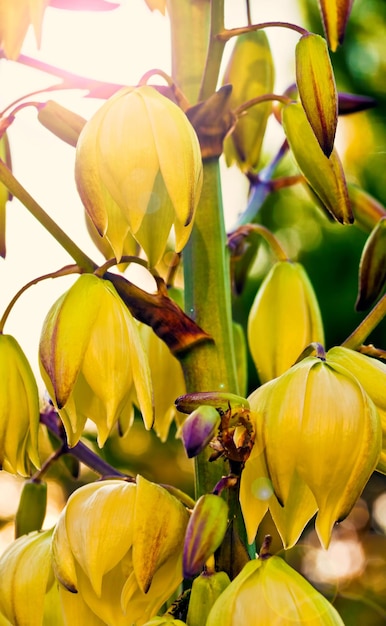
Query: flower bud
[
  {"x": 205, "y": 532},
  {"x": 19, "y": 409},
  {"x": 206, "y": 588},
  {"x": 317, "y": 89},
  {"x": 324, "y": 175},
  {"x": 62, "y": 122},
  {"x": 268, "y": 591},
  {"x": 302, "y": 412},
  {"x": 199, "y": 428},
  {"x": 138, "y": 169},
  {"x": 32, "y": 506},
  {"x": 335, "y": 14},
  {"x": 91, "y": 356},
  {"x": 283, "y": 320},
  {"x": 217, "y": 399},
  {"x": 250, "y": 71},
  {"x": 165, "y": 620},
  {"x": 372, "y": 267},
  {"x": 367, "y": 210},
  {"x": 27, "y": 581}
]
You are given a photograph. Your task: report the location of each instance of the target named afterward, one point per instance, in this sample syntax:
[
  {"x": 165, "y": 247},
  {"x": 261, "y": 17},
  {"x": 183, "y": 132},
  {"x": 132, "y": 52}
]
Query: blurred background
[{"x": 120, "y": 45}]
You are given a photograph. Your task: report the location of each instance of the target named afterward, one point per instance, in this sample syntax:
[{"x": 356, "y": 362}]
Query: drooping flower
[
  {"x": 19, "y": 409},
  {"x": 318, "y": 442},
  {"x": 269, "y": 591},
  {"x": 92, "y": 359},
  {"x": 15, "y": 18},
  {"x": 138, "y": 169},
  {"x": 283, "y": 320},
  {"x": 27, "y": 581},
  {"x": 119, "y": 546}
]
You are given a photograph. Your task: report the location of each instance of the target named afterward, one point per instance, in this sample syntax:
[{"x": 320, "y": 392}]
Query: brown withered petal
[
  {"x": 372, "y": 267},
  {"x": 317, "y": 89},
  {"x": 335, "y": 14}
]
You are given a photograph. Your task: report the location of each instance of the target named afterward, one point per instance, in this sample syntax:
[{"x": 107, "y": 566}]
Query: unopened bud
[{"x": 199, "y": 428}]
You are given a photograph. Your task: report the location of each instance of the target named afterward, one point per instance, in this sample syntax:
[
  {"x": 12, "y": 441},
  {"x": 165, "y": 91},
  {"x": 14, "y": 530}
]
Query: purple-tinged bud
[{"x": 199, "y": 428}]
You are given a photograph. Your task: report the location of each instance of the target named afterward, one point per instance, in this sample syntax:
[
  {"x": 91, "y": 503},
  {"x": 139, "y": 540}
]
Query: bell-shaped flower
[
  {"x": 15, "y": 18},
  {"x": 19, "y": 409},
  {"x": 92, "y": 359},
  {"x": 119, "y": 546},
  {"x": 28, "y": 590},
  {"x": 371, "y": 374},
  {"x": 138, "y": 169},
  {"x": 269, "y": 591},
  {"x": 283, "y": 320},
  {"x": 167, "y": 378},
  {"x": 319, "y": 432}
]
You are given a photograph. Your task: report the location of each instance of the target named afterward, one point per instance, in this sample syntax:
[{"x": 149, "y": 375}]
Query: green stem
[
  {"x": 209, "y": 366},
  {"x": 360, "y": 334},
  {"x": 215, "y": 51},
  {"x": 190, "y": 23},
  {"x": 45, "y": 220}
]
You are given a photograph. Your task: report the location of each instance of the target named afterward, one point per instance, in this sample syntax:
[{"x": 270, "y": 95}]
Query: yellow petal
[
  {"x": 159, "y": 530},
  {"x": 335, "y": 14},
  {"x": 91, "y": 513}
]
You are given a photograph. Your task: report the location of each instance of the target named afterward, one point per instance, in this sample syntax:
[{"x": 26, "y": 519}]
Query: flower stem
[
  {"x": 209, "y": 366},
  {"x": 360, "y": 334},
  {"x": 16, "y": 189}
]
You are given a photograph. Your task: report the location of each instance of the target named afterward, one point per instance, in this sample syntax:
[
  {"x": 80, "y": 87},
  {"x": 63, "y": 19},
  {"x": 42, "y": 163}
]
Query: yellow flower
[
  {"x": 28, "y": 593},
  {"x": 269, "y": 592},
  {"x": 372, "y": 376},
  {"x": 320, "y": 437},
  {"x": 119, "y": 546},
  {"x": 92, "y": 358},
  {"x": 283, "y": 320},
  {"x": 15, "y": 18},
  {"x": 19, "y": 409},
  {"x": 138, "y": 169}
]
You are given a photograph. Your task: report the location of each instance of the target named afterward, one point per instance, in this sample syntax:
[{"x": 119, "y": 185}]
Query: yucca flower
[
  {"x": 318, "y": 440},
  {"x": 371, "y": 374},
  {"x": 119, "y": 546},
  {"x": 138, "y": 169},
  {"x": 15, "y": 18},
  {"x": 269, "y": 591},
  {"x": 92, "y": 360},
  {"x": 28, "y": 590},
  {"x": 19, "y": 410},
  {"x": 283, "y": 320}
]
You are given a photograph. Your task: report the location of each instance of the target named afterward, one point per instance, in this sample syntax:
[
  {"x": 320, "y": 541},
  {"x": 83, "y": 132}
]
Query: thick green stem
[
  {"x": 36, "y": 210},
  {"x": 209, "y": 366}
]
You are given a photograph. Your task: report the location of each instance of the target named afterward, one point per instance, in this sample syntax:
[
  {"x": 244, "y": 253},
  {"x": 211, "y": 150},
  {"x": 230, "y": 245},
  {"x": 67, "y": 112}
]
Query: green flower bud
[
  {"x": 250, "y": 71},
  {"x": 324, "y": 174},
  {"x": 138, "y": 169},
  {"x": 62, "y": 122},
  {"x": 199, "y": 428},
  {"x": 367, "y": 210},
  {"x": 28, "y": 593},
  {"x": 205, "y": 532},
  {"x": 372, "y": 267},
  {"x": 31, "y": 511},
  {"x": 206, "y": 588},
  {"x": 92, "y": 358},
  {"x": 19, "y": 409},
  {"x": 317, "y": 89},
  {"x": 165, "y": 621},
  {"x": 119, "y": 546},
  {"x": 283, "y": 320},
  {"x": 318, "y": 431},
  {"x": 268, "y": 591}
]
